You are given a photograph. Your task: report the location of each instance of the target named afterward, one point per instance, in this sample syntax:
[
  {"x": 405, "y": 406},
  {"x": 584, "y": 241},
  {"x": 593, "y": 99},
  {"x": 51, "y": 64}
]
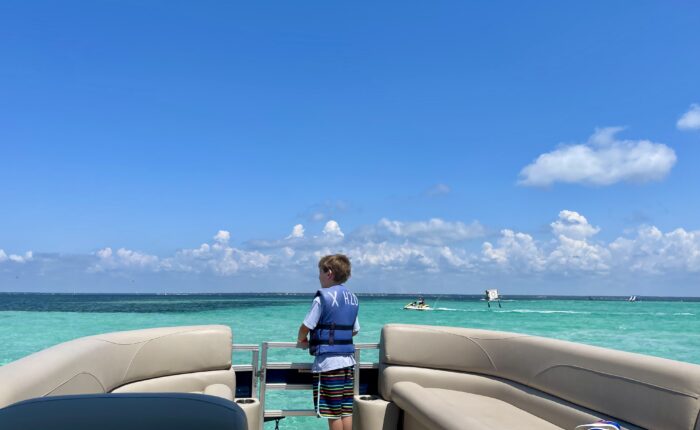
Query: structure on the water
[{"x": 492, "y": 296}]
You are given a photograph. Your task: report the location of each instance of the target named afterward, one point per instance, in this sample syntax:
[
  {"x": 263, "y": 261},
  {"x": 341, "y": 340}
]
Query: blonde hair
[{"x": 339, "y": 264}]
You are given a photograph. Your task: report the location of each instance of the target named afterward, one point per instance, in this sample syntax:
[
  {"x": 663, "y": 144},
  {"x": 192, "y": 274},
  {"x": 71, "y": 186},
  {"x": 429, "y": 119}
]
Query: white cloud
[
  {"x": 222, "y": 237},
  {"x": 691, "y": 119},
  {"x": 392, "y": 256},
  {"x": 432, "y": 232},
  {"x": 574, "y": 225},
  {"x": 570, "y": 250},
  {"x": 578, "y": 254},
  {"x": 124, "y": 259},
  {"x": 653, "y": 251},
  {"x": 219, "y": 258},
  {"x": 332, "y": 230},
  {"x": 297, "y": 232},
  {"x": 514, "y": 251},
  {"x": 456, "y": 258},
  {"x": 602, "y": 160},
  {"x": 28, "y": 256}
]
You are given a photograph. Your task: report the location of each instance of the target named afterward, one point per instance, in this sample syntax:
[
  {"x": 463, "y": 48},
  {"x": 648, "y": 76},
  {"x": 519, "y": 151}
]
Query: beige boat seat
[
  {"x": 458, "y": 410},
  {"x": 186, "y": 359},
  {"x": 457, "y": 378}
]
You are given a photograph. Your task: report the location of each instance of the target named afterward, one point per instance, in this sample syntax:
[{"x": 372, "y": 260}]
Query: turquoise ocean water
[{"x": 667, "y": 328}]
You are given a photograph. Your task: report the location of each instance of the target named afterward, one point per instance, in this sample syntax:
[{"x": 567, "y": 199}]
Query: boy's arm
[{"x": 302, "y": 337}]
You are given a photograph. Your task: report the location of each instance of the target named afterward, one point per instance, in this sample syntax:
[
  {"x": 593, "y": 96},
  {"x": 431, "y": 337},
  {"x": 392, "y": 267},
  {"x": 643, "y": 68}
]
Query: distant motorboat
[{"x": 418, "y": 305}]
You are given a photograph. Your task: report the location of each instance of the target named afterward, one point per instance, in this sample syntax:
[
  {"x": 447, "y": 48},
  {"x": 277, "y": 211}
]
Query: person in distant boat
[
  {"x": 421, "y": 302},
  {"x": 332, "y": 323}
]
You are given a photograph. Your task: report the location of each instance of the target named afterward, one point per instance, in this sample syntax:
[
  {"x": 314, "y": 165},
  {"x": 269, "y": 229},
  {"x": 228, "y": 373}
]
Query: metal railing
[
  {"x": 253, "y": 367},
  {"x": 301, "y": 368}
]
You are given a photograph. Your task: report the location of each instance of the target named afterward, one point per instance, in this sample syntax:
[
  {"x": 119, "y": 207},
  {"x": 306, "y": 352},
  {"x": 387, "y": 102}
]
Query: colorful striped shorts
[{"x": 333, "y": 391}]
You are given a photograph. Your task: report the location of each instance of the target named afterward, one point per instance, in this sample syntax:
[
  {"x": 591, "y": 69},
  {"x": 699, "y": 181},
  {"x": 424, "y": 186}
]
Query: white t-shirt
[{"x": 328, "y": 362}]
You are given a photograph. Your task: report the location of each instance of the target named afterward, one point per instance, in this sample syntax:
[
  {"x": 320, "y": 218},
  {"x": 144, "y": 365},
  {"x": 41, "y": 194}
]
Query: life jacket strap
[
  {"x": 332, "y": 326},
  {"x": 325, "y": 342}
]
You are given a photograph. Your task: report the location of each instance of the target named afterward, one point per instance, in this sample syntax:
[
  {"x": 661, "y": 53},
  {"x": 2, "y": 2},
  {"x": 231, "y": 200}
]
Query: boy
[{"x": 332, "y": 322}]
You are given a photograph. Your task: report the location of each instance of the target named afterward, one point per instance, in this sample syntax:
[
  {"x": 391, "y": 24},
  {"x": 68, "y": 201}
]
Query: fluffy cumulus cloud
[
  {"x": 691, "y": 119},
  {"x": 653, "y": 251},
  {"x": 602, "y": 160},
  {"x": 432, "y": 232},
  {"x": 514, "y": 251},
  {"x": 217, "y": 257},
  {"x": 222, "y": 236},
  {"x": 573, "y": 225},
  {"x": 124, "y": 259},
  {"x": 393, "y": 256},
  {"x": 332, "y": 230},
  {"x": 28, "y": 256},
  {"x": 297, "y": 232},
  {"x": 571, "y": 248}
]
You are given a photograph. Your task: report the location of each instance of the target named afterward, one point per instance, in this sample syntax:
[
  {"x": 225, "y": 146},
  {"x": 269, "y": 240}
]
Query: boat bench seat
[
  {"x": 434, "y": 377},
  {"x": 458, "y": 410},
  {"x": 187, "y": 359},
  {"x": 169, "y": 359}
]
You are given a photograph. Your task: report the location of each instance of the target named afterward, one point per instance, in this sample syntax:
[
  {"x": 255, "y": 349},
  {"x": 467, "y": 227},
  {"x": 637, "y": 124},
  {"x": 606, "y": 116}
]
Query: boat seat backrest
[
  {"x": 647, "y": 391},
  {"x": 102, "y": 363}
]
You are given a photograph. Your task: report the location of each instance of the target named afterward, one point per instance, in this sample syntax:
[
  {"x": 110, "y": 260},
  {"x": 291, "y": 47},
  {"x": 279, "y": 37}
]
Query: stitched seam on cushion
[
  {"x": 146, "y": 342},
  {"x": 472, "y": 339},
  {"x": 73, "y": 377},
  {"x": 630, "y": 380}
]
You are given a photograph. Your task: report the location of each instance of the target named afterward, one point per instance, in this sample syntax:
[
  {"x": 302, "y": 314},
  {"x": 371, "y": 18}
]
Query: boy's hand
[{"x": 303, "y": 337}]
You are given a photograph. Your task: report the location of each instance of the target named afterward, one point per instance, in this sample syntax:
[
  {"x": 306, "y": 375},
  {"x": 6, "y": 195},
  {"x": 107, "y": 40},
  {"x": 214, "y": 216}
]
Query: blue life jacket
[{"x": 333, "y": 333}]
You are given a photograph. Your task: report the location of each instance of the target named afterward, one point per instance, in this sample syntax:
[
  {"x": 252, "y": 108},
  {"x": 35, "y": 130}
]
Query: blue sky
[{"x": 447, "y": 147}]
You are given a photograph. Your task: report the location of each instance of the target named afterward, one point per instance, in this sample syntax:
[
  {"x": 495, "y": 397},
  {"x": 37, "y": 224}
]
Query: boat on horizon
[{"x": 418, "y": 305}]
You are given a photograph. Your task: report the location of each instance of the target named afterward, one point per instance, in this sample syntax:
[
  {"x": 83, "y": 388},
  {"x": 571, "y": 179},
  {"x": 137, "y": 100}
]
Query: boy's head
[{"x": 334, "y": 269}]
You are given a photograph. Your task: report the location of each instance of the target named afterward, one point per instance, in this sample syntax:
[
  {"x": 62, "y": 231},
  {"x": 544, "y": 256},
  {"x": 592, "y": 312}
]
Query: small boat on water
[
  {"x": 418, "y": 305},
  {"x": 413, "y": 306},
  {"x": 632, "y": 299}
]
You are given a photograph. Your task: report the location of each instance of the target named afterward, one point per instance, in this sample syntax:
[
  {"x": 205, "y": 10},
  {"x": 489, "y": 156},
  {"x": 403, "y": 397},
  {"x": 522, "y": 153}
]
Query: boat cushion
[
  {"x": 550, "y": 408},
  {"x": 99, "y": 364},
  {"x": 649, "y": 392},
  {"x": 219, "y": 390},
  {"x": 185, "y": 383},
  {"x": 124, "y": 411},
  {"x": 437, "y": 408}
]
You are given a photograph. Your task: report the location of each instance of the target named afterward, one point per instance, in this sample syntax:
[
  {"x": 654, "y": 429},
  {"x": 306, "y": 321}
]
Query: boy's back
[{"x": 332, "y": 322}]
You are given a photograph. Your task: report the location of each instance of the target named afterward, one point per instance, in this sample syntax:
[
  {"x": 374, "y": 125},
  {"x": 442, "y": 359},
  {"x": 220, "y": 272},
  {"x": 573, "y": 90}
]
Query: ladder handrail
[{"x": 264, "y": 365}]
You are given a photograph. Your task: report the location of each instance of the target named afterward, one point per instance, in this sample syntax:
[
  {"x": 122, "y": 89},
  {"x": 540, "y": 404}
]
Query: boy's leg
[
  {"x": 328, "y": 391},
  {"x": 348, "y": 397},
  {"x": 336, "y": 424}
]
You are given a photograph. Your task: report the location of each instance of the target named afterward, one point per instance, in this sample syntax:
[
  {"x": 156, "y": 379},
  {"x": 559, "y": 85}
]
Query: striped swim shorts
[{"x": 333, "y": 391}]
